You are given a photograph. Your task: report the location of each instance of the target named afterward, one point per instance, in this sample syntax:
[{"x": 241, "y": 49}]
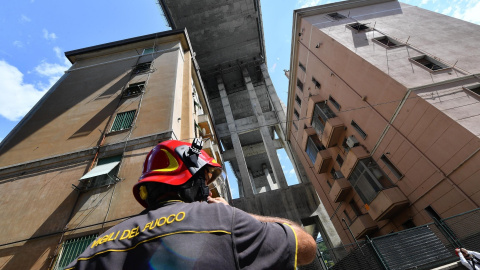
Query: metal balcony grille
[{"x": 321, "y": 114}]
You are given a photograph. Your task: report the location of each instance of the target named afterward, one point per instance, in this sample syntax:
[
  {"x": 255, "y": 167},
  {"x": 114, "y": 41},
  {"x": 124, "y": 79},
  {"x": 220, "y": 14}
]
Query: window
[
  {"x": 123, "y": 121},
  {"x": 392, "y": 167},
  {"x": 336, "y": 174},
  {"x": 142, "y": 67},
  {"x": 339, "y": 160},
  {"x": 432, "y": 213},
  {"x": 336, "y": 16},
  {"x": 134, "y": 89},
  {"x": 71, "y": 249},
  {"x": 368, "y": 179},
  {"x": 298, "y": 100},
  {"x": 334, "y": 102},
  {"x": 295, "y": 125},
  {"x": 329, "y": 184},
  {"x": 300, "y": 84},
  {"x": 296, "y": 113},
  {"x": 313, "y": 147},
  {"x": 316, "y": 83},
  {"x": 104, "y": 174},
  {"x": 429, "y": 63},
  {"x": 355, "y": 208},
  {"x": 474, "y": 88},
  {"x": 148, "y": 50},
  {"x": 302, "y": 67},
  {"x": 321, "y": 114},
  {"x": 387, "y": 42},
  {"x": 358, "y": 129},
  {"x": 360, "y": 27}
]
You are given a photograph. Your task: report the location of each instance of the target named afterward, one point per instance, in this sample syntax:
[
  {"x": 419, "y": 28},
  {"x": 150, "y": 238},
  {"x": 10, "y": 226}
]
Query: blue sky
[{"x": 34, "y": 34}]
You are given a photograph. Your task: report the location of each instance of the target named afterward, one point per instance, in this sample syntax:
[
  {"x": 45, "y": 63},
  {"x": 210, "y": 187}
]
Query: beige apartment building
[
  {"x": 383, "y": 112},
  {"x": 67, "y": 169}
]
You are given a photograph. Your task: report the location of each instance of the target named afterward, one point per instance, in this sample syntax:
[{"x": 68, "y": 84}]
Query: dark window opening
[
  {"x": 134, "y": 89},
  {"x": 142, "y": 67},
  {"x": 313, "y": 147},
  {"x": 321, "y": 114},
  {"x": 300, "y": 84},
  {"x": 336, "y": 16},
  {"x": 296, "y": 113},
  {"x": 316, "y": 83},
  {"x": 123, "y": 121},
  {"x": 298, "y": 100},
  {"x": 358, "y": 129},
  {"x": 387, "y": 41},
  {"x": 336, "y": 174},
  {"x": 432, "y": 213},
  {"x": 329, "y": 184},
  {"x": 408, "y": 224},
  {"x": 355, "y": 208},
  {"x": 339, "y": 160},
  {"x": 392, "y": 167},
  {"x": 368, "y": 179},
  {"x": 474, "y": 88},
  {"x": 295, "y": 125},
  {"x": 334, "y": 102},
  {"x": 429, "y": 63},
  {"x": 302, "y": 67},
  {"x": 360, "y": 27}
]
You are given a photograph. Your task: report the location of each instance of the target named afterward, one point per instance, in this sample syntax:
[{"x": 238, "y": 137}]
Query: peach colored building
[
  {"x": 67, "y": 169},
  {"x": 383, "y": 111}
]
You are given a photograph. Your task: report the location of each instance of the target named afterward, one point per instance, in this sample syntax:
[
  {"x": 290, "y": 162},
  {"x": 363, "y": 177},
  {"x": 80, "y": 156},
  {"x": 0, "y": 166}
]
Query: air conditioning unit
[
  {"x": 352, "y": 142},
  {"x": 338, "y": 174}
]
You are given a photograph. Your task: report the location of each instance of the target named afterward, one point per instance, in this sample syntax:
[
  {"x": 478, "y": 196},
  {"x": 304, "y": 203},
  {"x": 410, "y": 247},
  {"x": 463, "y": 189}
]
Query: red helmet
[{"x": 174, "y": 163}]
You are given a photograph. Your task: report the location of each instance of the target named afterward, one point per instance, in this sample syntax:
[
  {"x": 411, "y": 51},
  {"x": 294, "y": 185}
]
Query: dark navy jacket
[{"x": 192, "y": 236}]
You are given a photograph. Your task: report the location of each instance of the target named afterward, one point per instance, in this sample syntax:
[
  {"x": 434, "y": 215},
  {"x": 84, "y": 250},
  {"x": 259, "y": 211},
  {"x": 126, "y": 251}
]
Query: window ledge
[{"x": 117, "y": 132}]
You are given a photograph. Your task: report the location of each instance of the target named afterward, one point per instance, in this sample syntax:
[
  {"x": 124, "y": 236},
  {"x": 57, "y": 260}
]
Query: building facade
[
  {"x": 383, "y": 110},
  {"x": 68, "y": 168}
]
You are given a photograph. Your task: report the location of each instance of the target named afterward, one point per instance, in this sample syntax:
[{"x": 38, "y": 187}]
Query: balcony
[
  {"x": 363, "y": 225},
  {"x": 340, "y": 189},
  {"x": 323, "y": 161},
  {"x": 353, "y": 156},
  {"x": 205, "y": 126},
  {"x": 387, "y": 203},
  {"x": 332, "y": 132}
]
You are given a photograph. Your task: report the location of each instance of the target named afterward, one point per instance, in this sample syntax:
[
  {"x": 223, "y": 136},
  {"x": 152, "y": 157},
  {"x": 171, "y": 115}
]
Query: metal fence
[{"x": 423, "y": 247}]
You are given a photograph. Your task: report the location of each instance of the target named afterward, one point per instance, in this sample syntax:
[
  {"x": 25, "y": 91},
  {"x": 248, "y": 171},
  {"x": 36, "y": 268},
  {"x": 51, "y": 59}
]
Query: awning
[{"x": 101, "y": 170}]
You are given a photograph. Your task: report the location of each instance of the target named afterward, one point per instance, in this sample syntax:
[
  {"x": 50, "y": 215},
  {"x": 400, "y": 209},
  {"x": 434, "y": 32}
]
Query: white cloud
[
  {"x": 447, "y": 10},
  {"x": 49, "y": 36},
  {"x": 24, "y": 18},
  {"x": 53, "y": 71},
  {"x": 18, "y": 96},
  {"x": 18, "y": 44},
  {"x": 472, "y": 13},
  {"x": 310, "y": 3},
  {"x": 424, "y": 2},
  {"x": 272, "y": 69},
  {"x": 292, "y": 172}
]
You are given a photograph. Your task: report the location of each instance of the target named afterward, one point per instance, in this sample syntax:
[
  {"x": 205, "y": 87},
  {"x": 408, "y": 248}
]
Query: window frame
[
  {"x": 299, "y": 84},
  {"x": 389, "y": 40},
  {"x": 353, "y": 26},
  {"x": 334, "y": 103},
  {"x": 140, "y": 86},
  {"x": 60, "y": 262},
  {"x": 320, "y": 116},
  {"x": 142, "y": 67},
  {"x": 365, "y": 181},
  {"x": 316, "y": 83},
  {"x": 336, "y": 16},
  {"x": 102, "y": 180},
  {"x": 313, "y": 147},
  {"x": 302, "y": 67},
  {"x": 360, "y": 131},
  {"x": 298, "y": 100},
  {"x": 433, "y": 61},
  {"x": 128, "y": 115},
  {"x": 474, "y": 88},
  {"x": 149, "y": 50},
  {"x": 391, "y": 166}
]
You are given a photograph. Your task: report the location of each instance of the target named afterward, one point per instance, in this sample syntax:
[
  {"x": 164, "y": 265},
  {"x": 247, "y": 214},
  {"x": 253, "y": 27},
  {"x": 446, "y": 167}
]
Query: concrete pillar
[
  {"x": 255, "y": 191},
  {"x": 277, "y": 105},
  {"x": 245, "y": 188},
  {"x": 267, "y": 139},
  {"x": 272, "y": 185}
]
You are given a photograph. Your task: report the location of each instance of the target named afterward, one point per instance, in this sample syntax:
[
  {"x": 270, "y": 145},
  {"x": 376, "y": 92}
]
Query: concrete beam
[
  {"x": 240, "y": 158},
  {"x": 277, "y": 105},
  {"x": 264, "y": 131},
  {"x": 246, "y": 124},
  {"x": 251, "y": 150}
]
